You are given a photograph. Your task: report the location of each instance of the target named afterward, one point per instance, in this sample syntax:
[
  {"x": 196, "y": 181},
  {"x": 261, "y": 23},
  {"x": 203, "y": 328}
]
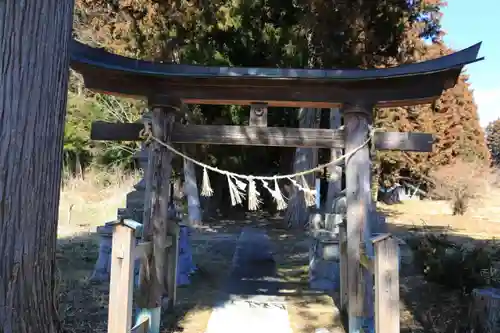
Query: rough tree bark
[
  {"x": 297, "y": 213},
  {"x": 34, "y": 68}
]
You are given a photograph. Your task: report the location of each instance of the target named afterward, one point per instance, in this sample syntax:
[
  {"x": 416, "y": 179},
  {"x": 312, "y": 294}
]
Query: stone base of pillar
[
  {"x": 324, "y": 252},
  {"x": 102, "y": 268}
]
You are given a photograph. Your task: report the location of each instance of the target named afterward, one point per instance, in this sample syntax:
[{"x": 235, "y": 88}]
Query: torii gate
[{"x": 355, "y": 91}]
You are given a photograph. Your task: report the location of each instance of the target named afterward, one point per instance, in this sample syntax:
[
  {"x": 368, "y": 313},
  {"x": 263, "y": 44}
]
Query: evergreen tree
[
  {"x": 301, "y": 33},
  {"x": 493, "y": 140},
  {"x": 453, "y": 119}
]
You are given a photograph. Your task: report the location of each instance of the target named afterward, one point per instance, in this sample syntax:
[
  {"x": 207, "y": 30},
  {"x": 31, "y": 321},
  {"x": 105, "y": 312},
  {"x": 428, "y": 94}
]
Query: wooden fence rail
[
  {"x": 385, "y": 268},
  {"x": 123, "y": 255},
  {"x": 121, "y": 284}
]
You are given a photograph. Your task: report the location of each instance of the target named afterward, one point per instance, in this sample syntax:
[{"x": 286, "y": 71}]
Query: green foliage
[{"x": 79, "y": 150}]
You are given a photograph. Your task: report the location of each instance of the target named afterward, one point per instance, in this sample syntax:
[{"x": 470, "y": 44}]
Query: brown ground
[
  {"x": 481, "y": 221},
  {"x": 84, "y": 304},
  {"x": 306, "y": 312},
  {"x": 426, "y": 307}
]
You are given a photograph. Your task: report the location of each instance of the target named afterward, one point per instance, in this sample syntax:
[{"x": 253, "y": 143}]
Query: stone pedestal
[
  {"x": 324, "y": 253},
  {"x": 102, "y": 267},
  {"x": 324, "y": 268},
  {"x": 379, "y": 223},
  {"x": 324, "y": 272},
  {"x": 134, "y": 210},
  {"x": 135, "y": 205}
]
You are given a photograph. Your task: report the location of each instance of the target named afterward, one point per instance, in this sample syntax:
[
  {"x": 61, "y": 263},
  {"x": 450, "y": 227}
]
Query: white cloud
[{"x": 488, "y": 104}]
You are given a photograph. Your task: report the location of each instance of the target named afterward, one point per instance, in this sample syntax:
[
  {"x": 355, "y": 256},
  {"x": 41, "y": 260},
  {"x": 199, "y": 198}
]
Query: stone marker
[
  {"x": 186, "y": 266},
  {"x": 253, "y": 256},
  {"x": 324, "y": 253},
  {"x": 102, "y": 268}
]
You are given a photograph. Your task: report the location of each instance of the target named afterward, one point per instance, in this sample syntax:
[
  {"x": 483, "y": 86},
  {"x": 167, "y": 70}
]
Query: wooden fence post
[
  {"x": 386, "y": 284},
  {"x": 152, "y": 275},
  {"x": 121, "y": 284},
  {"x": 357, "y": 118}
]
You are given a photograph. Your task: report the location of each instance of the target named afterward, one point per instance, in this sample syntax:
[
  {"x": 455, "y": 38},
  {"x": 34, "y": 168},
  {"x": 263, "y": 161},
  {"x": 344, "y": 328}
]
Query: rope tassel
[
  {"x": 236, "y": 190},
  {"x": 253, "y": 195},
  {"x": 309, "y": 195},
  {"x": 276, "y": 194},
  {"x": 240, "y": 184},
  {"x": 206, "y": 188}
]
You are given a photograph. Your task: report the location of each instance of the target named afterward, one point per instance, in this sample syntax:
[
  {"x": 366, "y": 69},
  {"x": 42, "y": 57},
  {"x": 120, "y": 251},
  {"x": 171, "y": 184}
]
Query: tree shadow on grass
[
  {"x": 429, "y": 306},
  {"x": 83, "y": 304},
  {"x": 426, "y": 306}
]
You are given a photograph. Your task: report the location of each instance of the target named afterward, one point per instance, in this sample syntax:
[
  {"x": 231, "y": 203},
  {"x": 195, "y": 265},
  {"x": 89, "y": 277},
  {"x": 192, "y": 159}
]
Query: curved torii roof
[{"x": 408, "y": 84}]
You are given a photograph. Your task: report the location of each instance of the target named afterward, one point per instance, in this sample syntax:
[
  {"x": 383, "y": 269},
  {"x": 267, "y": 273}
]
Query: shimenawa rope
[{"x": 236, "y": 181}]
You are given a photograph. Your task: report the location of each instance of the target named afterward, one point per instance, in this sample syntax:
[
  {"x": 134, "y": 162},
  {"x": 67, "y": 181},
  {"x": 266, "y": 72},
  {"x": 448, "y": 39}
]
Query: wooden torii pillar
[
  {"x": 357, "y": 121},
  {"x": 160, "y": 231}
]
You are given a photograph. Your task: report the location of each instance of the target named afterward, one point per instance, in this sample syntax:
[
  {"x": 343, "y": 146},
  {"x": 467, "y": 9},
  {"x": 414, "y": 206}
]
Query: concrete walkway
[{"x": 250, "y": 305}]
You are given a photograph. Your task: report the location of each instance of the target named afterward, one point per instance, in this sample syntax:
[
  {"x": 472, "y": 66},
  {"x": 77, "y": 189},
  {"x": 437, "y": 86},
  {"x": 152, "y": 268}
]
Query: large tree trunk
[
  {"x": 34, "y": 67},
  {"x": 297, "y": 213}
]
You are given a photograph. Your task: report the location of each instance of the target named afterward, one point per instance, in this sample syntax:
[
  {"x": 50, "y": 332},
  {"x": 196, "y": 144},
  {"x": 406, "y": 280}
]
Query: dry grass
[
  {"x": 87, "y": 203},
  {"x": 481, "y": 221},
  {"x": 427, "y": 306},
  {"x": 470, "y": 188},
  {"x": 82, "y": 305},
  {"x": 84, "y": 205},
  {"x": 460, "y": 182}
]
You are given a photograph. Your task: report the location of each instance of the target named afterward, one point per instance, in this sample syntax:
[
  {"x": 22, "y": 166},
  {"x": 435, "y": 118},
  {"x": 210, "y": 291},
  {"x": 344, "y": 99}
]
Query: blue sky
[{"x": 469, "y": 22}]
